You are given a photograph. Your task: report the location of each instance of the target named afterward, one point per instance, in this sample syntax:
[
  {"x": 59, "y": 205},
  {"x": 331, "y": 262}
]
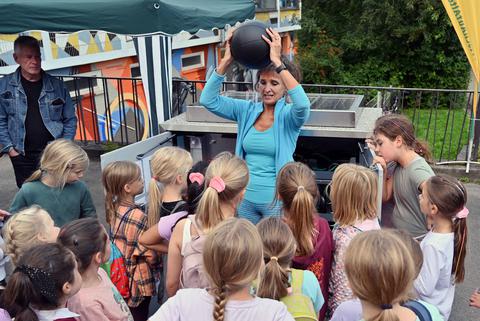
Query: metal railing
[
  {"x": 442, "y": 117},
  {"x": 109, "y": 109},
  {"x": 114, "y": 109}
]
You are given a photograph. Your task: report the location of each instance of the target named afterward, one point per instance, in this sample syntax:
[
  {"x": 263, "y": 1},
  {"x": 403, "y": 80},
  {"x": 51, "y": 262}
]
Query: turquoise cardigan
[{"x": 288, "y": 118}]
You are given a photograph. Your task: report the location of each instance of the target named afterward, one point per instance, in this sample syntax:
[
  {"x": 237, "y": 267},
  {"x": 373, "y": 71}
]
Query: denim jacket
[{"x": 55, "y": 104}]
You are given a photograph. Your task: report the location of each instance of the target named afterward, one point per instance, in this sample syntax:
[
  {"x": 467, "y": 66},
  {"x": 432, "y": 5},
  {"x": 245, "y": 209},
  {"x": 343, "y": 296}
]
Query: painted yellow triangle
[
  {"x": 107, "y": 46},
  {"x": 73, "y": 40},
  {"x": 92, "y": 47}
]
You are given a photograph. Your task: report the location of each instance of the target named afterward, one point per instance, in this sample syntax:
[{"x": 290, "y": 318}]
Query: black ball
[{"x": 248, "y": 47}]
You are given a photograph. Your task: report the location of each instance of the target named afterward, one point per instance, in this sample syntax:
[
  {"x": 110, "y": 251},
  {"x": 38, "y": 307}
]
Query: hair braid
[{"x": 220, "y": 302}]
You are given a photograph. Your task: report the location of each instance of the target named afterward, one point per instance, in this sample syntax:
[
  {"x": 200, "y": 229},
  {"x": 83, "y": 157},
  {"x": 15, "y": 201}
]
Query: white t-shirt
[
  {"x": 435, "y": 283},
  {"x": 197, "y": 305}
]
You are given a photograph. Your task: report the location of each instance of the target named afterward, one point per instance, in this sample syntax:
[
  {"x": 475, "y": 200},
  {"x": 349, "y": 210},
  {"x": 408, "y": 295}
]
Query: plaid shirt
[{"x": 142, "y": 264}]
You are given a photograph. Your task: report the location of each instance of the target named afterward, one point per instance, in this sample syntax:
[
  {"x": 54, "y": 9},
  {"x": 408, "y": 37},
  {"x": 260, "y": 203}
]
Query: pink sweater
[{"x": 100, "y": 303}]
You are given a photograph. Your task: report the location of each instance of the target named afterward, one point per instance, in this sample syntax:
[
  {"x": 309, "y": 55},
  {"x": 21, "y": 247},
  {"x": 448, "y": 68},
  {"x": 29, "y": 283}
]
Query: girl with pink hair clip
[
  {"x": 443, "y": 200},
  {"x": 225, "y": 181},
  {"x": 157, "y": 236}
]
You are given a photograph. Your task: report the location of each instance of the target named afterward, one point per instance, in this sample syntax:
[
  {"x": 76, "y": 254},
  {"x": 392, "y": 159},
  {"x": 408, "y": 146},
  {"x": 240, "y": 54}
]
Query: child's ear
[
  {"x": 98, "y": 258},
  {"x": 180, "y": 179},
  {"x": 67, "y": 288},
  {"x": 398, "y": 141},
  {"x": 433, "y": 209},
  {"x": 127, "y": 188}
]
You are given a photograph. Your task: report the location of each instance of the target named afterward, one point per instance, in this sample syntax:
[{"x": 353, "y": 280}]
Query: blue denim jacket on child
[{"x": 55, "y": 104}]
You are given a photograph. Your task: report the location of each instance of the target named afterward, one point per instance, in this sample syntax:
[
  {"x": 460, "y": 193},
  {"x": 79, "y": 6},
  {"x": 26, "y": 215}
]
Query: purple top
[{"x": 166, "y": 224}]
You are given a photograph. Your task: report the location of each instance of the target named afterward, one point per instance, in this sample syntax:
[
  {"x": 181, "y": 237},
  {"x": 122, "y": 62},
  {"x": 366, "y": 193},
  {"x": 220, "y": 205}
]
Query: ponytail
[
  {"x": 279, "y": 248},
  {"x": 300, "y": 219},
  {"x": 226, "y": 177},
  {"x": 110, "y": 208},
  {"x": 17, "y": 297},
  {"x": 167, "y": 164},
  {"x": 155, "y": 201},
  {"x": 274, "y": 281},
  {"x": 298, "y": 191},
  {"x": 449, "y": 195},
  {"x": 422, "y": 149},
  {"x": 37, "y": 175},
  {"x": 459, "y": 249}
]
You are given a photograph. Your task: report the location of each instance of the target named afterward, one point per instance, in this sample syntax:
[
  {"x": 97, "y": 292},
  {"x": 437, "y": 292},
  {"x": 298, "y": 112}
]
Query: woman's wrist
[{"x": 223, "y": 66}]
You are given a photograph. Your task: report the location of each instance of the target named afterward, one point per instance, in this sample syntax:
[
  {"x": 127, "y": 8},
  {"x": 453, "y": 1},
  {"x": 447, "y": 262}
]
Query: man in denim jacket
[{"x": 35, "y": 108}]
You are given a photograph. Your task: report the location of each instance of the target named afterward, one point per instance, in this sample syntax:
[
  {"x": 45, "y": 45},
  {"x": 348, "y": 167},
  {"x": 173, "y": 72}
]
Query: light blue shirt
[
  {"x": 259, "y": 147},
  {"x": 289, "y": 118}
]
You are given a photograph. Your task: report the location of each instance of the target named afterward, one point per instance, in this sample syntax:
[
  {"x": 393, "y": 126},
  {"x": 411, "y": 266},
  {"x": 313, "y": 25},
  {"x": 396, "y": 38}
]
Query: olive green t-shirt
[{"x": 406, "y": 184}]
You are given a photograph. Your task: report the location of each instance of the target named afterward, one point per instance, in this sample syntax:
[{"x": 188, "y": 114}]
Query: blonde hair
[
  {"x": 232, "y": 258},
  {"x": 234, "y": 173},
  {"x": 278, "y": 251},
  {"x": 297, "y": 188},
  {"x": 114, "y": 178},
  {"x": 380, "y": 270},
  {"x": 22, "y": 230},
  {"x": 353, "y": 192},
  {"x": 58, "y": 159},
  {"x": 166, "y": 165}
]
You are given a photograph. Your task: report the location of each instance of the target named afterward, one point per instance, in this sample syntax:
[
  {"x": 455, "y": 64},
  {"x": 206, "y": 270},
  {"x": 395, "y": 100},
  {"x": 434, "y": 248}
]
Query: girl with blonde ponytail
[
  {"x": 225, "y": 181},
  {"x": 298, "y": 191},
  {"x": 279, "y": 247},
  {"x": 56, "y": 185},
  {"x": 170, "y": 166},
  {"x": 232, "y": 259}
]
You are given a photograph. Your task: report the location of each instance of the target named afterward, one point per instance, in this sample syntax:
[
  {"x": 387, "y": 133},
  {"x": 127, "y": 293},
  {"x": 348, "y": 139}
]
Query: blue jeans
[{"x": 254, "y": 212}]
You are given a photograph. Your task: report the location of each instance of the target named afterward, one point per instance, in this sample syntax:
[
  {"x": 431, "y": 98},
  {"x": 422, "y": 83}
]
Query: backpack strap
[
  {"x": 297, "y": 281},
  {"x": 419, "y": 309},
  {"x": 112, "y": 236}
]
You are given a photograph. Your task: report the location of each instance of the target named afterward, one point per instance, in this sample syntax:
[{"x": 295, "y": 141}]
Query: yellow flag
[{"x": 465, "y": 17}]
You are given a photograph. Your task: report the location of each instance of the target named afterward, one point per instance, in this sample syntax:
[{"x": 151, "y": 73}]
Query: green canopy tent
[
  {"x": 127, "y": 17},
  {"x": 150, "y": 22}
]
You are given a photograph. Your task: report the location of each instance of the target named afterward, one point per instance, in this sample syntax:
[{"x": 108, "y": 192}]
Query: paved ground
[{"x": 461, "y": 310}]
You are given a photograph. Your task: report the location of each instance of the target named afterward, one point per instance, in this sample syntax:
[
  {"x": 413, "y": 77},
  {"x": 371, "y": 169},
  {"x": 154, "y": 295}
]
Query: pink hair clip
[
  {"x": 463, "y": 213},
  {"x": 217, "y": 184},
  {"x": 196, "y": 178}
]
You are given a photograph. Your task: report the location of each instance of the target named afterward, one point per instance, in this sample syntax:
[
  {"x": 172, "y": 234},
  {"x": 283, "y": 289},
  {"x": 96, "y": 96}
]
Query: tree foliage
[{"x": 407, "y": 43}]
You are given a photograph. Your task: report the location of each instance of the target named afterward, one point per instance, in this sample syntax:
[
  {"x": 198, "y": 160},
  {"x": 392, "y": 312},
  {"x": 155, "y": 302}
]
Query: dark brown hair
[
  {"x": 394, "y": 125},
  {"x": 450, "y": 196},
  {"x": 85, "y": 238},
  {"x": 292, "y": 67},
  {"x": 26, "y": 41},
  {"x": 21, "y": 294},
  {"x": 298, "y": 191}
]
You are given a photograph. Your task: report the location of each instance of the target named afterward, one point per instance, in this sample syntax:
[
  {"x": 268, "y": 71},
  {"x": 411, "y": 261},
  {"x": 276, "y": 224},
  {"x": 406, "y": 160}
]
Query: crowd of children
[{"x": 188, "y": 245}]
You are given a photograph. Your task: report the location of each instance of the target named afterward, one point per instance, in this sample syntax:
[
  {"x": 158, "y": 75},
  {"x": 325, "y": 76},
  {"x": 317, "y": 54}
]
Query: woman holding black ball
[{"x": 267, "y": 130}]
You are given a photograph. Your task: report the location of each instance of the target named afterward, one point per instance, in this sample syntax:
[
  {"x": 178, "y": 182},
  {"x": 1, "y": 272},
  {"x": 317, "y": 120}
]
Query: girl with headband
[
  {"x": 225, "y": 181},
  {"x": 443, "y": 201}
]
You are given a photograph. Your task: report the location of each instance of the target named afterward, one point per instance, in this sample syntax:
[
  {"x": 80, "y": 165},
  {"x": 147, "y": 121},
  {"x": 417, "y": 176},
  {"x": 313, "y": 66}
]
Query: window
[
  {"x": 135, "y": 70},
  {"x": 193, "y": 61}
]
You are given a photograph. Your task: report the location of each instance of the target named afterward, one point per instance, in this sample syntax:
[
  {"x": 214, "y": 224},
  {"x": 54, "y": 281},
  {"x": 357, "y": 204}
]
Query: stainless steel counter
[{"x": 363, "y": 128}]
